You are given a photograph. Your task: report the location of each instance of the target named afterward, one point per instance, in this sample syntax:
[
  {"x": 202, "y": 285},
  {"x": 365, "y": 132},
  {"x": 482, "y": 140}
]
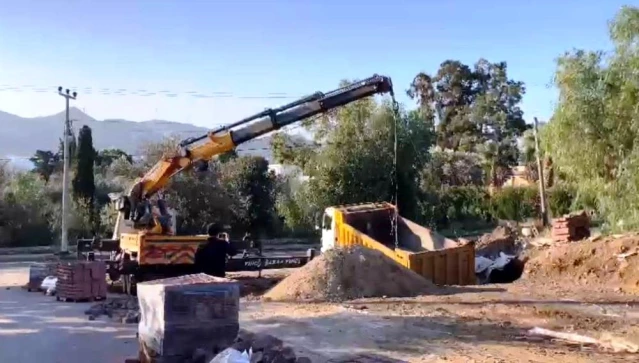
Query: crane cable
[{"x": 394, "y": 228}]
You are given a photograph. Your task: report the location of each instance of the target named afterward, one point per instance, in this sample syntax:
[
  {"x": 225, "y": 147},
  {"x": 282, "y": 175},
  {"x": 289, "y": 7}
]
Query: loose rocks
[
  {"x": 344, "y": 274},
  {"x": 501, "y": 239},
  {"x": 124, "y": 309},
  {"x": 266, "y": 348}
]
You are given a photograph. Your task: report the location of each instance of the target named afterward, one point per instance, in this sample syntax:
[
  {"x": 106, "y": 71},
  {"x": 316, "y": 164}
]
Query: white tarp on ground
[
  {"x": 485, "y": 266},
  {"x": 49, "y": 284},
  {"x": 231, "y": 355}
]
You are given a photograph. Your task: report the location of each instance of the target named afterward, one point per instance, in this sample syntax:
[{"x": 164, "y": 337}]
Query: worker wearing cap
[{"x": 211, "y": 256}]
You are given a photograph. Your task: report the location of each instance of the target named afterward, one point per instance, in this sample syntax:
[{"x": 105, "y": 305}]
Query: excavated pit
[{"x": 502, "y": 240}]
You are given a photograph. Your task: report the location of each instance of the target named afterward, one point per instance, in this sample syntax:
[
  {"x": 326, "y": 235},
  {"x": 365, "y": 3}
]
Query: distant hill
[{"x": 21, "y": 137}]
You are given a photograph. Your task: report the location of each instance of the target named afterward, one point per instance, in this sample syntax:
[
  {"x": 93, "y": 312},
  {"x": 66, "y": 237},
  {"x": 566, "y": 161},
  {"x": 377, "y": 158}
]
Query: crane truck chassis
[
  {"x": 145, "y": 246},
  {"x": 119, "y": 264}
]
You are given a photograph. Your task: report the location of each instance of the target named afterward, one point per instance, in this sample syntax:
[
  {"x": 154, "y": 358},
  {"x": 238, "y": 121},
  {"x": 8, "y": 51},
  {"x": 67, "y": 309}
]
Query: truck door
[{"x": 328, "y": 231}]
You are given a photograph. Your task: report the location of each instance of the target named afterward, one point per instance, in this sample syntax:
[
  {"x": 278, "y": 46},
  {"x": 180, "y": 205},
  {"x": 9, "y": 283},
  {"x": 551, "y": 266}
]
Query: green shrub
[
  {"x": 468, "y": 204},
  {"x": 561, "y": 199},
  {"x": 459, "y": 204},
  {"x": 465, "y": 203},
  {"x": 515, "y": 204}
]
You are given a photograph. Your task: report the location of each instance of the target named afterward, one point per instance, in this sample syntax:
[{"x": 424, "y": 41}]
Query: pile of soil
[
  {"x": 501, "y": 239},
  {"x": 611, "y": 262},
  {"x": 345, "y": 274}
]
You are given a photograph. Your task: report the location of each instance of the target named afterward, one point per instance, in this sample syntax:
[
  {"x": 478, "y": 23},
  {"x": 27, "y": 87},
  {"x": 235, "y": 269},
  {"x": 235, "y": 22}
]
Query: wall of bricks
[
  {"x": 571, "y": 227},
  {"x": 81, "y": 280}
]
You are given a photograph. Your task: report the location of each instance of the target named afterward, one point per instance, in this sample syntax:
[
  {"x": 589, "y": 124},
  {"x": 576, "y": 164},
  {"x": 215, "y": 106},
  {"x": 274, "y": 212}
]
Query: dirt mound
[
  {"x": 345, "y": 274},
  {"x": 501, "y": 239},
  {"x": 613, "y": 262}
]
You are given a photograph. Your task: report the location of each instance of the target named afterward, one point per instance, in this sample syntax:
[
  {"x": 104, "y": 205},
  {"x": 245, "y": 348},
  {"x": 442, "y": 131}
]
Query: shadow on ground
[
  {"x": 34, "y": 327},
  {"x": 410, "y": 337}
]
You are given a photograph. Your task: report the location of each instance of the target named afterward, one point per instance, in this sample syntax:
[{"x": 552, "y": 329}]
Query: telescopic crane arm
[{"x": 227, "y": 138}]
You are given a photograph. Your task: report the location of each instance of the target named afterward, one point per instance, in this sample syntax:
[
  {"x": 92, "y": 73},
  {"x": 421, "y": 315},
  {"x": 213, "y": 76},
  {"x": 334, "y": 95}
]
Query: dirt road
[
  {"x": 482, "y": 324},
  {"x": 36, "y": 328},
  {"x": 478, "y": 324}
]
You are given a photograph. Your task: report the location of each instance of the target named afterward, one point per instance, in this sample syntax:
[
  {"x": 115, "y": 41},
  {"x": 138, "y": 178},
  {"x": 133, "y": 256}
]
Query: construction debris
[
  {"x": 264, "y": 348},
  {"x": 503, "y": 269},
  {"x": 182, "y": 314},
  {"x": 125, "y": 310},
  {"x": 344, "y": 274},
  {"x": 364, "y": 358},
  {"x": 501, "y": 240},
  {"x": 571, "y": 227},
  {"x": 607, "y": 342}
]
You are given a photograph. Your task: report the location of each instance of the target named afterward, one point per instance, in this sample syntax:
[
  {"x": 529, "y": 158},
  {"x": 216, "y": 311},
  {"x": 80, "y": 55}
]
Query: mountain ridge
[{"x": 22, "y": 136}]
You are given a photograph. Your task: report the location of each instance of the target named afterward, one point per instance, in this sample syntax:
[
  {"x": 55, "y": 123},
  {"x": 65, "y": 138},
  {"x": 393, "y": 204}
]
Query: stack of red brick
[
  {"x": 571, "y": 227},
  {"x": 81, "y": 280}
]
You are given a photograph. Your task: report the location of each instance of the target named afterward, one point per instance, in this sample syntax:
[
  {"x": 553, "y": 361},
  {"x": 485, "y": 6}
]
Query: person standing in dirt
[{"x": 210, "y": 258}]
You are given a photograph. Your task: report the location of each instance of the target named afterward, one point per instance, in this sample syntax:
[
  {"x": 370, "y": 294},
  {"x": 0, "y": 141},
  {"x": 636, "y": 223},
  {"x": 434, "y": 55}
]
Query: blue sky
[{"x": 255, "y": 48}]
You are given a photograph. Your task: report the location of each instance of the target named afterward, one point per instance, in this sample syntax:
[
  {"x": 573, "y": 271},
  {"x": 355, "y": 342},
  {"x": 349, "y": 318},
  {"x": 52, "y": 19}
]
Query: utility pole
[
  {"x": 64, "y": 241},
  {"x": 540, "y": 171}
]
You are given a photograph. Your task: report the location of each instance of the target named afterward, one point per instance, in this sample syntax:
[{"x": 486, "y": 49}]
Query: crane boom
[{"x": 227, "y": 138}]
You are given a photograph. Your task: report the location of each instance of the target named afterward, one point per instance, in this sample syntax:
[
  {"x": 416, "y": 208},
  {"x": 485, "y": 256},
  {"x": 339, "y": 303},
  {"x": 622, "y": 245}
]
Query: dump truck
[{"x": 380, "y": 227}]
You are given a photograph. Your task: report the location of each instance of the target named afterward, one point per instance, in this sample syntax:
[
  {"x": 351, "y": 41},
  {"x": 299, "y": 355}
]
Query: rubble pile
[
  {"x": 345, "y": 274},
  {"x": 266, "y": 348},
  {"x": 501, "y": 240},
  {"x": 124, "y": 309},
  {"x": 499, "y": 256},
  {"x": 571, "y": 227}
]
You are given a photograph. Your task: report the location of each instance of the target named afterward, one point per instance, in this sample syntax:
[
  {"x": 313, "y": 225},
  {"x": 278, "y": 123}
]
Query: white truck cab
[{"x": 329, "y": 235}]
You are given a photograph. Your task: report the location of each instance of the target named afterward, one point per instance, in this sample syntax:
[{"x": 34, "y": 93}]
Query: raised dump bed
[{"x": 439, "y": 259}]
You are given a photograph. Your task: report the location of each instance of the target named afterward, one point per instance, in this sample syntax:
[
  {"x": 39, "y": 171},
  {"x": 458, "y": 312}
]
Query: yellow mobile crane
[{"x": 144, "y": 235}]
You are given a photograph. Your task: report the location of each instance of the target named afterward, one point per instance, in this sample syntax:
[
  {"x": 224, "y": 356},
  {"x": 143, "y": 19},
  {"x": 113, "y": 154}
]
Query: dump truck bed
[{"x": 439, "y": 259}]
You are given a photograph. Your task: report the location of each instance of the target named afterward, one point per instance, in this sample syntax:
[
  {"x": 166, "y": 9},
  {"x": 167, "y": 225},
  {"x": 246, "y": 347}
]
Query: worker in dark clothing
[
  {"x": 254, "y": 246},
  {"x": 211, "y": 256}
]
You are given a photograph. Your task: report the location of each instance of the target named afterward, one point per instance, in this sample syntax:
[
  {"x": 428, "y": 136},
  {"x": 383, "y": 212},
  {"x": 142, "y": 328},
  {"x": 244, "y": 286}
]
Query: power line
[
  {"x": 147, "y": 93},
  {"x": 171, "y": 93},
  {"x": 201, "y": 132}
]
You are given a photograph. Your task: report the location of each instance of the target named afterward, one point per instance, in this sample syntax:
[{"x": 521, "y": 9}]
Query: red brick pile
[
  {"x": 81, "y": 280},
  {"x": 571, "y": 227}
]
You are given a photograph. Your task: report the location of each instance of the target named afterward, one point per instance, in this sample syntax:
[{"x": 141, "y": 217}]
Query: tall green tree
[
  {"x": 249, "y": 180},
  {"x": 477, "y": 110},
  {"x": 84, "y": 179},
  {"x": 45, "y": 163},
  {"x": 448, "y": 96},
  {"x": 104, "y": 158},
  {"x": 592, "y": 136},
  {"x": 498, "y": 117},
  {"x": 353, "y": 158}
]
